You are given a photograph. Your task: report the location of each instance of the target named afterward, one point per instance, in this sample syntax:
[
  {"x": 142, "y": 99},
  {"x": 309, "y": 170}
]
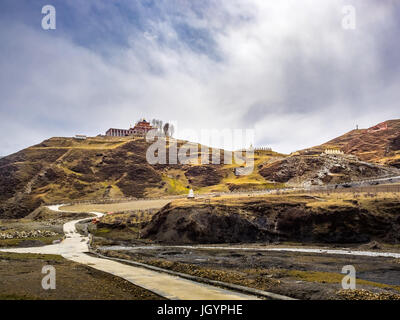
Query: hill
[
  {"x": 67, "y": 169},
  {"x": 378, "y": 144}
]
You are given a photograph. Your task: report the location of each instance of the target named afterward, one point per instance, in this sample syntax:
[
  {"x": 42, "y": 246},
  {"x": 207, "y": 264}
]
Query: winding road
[{"x": 75, "y": 248}]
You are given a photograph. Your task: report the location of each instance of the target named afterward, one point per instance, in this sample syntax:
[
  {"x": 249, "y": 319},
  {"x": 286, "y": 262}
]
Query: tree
[{"x": 166, "y": 129}]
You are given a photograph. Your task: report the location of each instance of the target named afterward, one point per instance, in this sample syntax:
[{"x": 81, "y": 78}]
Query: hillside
[
  {"x": 303, "y": 170},
  {"x": 67, "y": 169},
  {"x": 379, "y": 144}
]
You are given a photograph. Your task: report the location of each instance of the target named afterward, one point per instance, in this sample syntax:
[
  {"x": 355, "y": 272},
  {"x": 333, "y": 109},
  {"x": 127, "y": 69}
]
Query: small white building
[
  {"x": 333, "y": 151},
  {"x": 80, "y": 137}
]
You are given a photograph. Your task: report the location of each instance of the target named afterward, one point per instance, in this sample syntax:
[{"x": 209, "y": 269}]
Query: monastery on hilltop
[{"x": 140, "y": 129}]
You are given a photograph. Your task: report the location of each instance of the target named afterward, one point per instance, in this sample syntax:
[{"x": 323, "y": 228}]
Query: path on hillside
[{"x": 75, "y": 247}]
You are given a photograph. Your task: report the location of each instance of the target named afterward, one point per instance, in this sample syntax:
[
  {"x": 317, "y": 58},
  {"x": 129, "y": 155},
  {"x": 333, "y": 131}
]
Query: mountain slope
[
  {"x": 67, "y": 169},
  {"x": 379, "y": 144},
  {"x": 303, "y": 170},
  {"x": 59, "y": 169}
]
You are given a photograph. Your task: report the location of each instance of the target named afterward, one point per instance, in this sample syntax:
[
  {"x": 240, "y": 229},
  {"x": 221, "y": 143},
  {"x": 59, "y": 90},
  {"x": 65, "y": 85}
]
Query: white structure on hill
[
  {"x": 191, "y": 194},
  {"x": 333, "y": 151}
]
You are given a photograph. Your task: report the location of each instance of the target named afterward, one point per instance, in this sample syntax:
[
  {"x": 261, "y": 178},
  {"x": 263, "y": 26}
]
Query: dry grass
[
  {"x": 20, "y": 278},
  {"x": 314, "y": 200},
  {"x": 93, "y": 143},
  {"x": 16, "y": 242},
  {"x": 329, "y": 277},
  {"x": 252, "y": 181},
  {"x": 118, "y": 207}
]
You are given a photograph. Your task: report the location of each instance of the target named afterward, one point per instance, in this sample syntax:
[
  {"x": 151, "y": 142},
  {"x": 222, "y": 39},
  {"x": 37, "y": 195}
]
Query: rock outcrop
[
  {"x": 323, "y": 169},
  {"x": 263, "y": 221}
]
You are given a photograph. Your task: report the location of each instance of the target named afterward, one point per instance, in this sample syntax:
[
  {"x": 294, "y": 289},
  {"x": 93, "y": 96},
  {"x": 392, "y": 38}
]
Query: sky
[{"x": 286, "y": 69}]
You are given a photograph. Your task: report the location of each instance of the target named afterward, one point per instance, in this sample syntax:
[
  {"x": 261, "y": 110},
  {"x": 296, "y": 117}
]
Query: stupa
[{"x": 191, "y": 194}]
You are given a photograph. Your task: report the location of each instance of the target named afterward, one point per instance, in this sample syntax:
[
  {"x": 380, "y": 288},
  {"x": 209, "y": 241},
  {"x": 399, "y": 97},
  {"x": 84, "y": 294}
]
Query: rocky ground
[
  {"x": 41, "y": 227},
  {"x": 28, "y": 233},
  {"x": 299, "y": 275},
  {"x": 303, "y": 170},
  {"x": 21, "y": 276}
]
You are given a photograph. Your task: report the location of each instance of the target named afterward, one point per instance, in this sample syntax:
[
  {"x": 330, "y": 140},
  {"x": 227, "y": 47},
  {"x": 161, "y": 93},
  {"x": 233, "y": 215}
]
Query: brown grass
[{"x": 118, "y": 207}]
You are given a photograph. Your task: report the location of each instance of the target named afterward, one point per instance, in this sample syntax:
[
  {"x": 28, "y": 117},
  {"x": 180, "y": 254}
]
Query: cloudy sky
[{"x": 287, "y": 69}]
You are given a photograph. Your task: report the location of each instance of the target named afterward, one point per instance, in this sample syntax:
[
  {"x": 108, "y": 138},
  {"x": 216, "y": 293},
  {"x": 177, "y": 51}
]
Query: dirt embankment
[{"x": 271, "y": 221}]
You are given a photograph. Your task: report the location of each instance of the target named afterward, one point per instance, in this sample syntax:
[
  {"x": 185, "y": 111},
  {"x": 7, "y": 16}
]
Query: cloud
[{"x": 286, "y": 69}]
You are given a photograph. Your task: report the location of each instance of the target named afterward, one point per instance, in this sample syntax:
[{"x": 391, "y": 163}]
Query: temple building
[
  {"x": 333, "y": 151},
  {"x": 140, "y": 129}
]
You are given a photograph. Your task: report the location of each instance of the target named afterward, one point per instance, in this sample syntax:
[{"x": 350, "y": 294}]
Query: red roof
[{"x": 143, "y": 125}]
